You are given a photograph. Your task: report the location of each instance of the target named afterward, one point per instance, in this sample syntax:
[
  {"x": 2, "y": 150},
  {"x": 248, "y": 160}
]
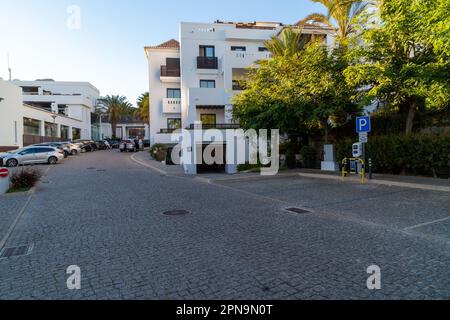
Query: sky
[{"x": 102, "y": 41}]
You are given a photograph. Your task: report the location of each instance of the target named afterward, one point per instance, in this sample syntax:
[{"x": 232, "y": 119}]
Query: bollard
[
  {"x": 370, "y": 169},
  {"x": 4, "y": 180}
]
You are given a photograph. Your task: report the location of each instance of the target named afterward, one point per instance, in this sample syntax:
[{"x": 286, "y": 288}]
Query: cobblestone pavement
[{"x": 102, "y": 212}]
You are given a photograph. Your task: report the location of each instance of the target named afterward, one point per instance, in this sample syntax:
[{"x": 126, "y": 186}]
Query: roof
[{"x": 171, "y": 44}]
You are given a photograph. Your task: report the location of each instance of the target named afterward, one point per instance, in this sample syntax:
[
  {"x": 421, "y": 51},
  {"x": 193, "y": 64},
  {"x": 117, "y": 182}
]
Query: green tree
[
  {"x": 433, "y": 24},
  {"x": 396, "y": 65},
  {"x": 143, "y": 110},
  {"x": 117, "y": 106},
  {"x": 289, "y": 42},
  {"x": 341, "y": 17},
  {"x": 296, "y": 93}
]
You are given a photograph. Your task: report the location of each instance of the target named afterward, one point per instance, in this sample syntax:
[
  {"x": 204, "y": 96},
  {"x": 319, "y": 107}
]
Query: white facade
[
  {"x": 11, "y": 114},
  {"x": 74, "y": 100},
  {"x": 51, "y": 111},
  {"x": 213, "y": 58}
]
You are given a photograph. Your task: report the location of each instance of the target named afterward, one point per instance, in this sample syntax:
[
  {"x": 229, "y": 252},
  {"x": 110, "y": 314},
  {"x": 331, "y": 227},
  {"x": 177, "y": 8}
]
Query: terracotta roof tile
[{"x": 171, "y": 44}]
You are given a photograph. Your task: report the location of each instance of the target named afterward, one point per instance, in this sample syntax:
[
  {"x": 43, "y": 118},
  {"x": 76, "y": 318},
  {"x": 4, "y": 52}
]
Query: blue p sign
[{"x": 363, "y": 124}]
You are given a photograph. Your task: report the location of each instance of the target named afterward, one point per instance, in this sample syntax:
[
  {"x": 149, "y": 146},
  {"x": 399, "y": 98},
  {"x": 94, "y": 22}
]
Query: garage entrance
[{"x": 219, "y": 152}]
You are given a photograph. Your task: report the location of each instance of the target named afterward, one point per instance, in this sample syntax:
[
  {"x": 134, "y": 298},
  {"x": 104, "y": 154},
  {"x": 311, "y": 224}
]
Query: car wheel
[
  {"x": 12, "y": 163},
  {"x": 74, "y": 152},
  {"x": 52, "y": 160}
]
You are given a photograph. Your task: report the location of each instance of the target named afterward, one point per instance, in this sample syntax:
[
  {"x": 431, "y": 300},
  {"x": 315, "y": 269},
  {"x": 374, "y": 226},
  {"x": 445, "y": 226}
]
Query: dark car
[
  {"x": 146, "y": 143},
  {"x": 113, "y": 143},
  {"x": 88, "y": 145},
  {"x": 102, "y": 145}
]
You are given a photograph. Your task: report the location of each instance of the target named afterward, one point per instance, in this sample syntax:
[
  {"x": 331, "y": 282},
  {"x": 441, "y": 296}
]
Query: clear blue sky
[{"x": 108, "y": 48}]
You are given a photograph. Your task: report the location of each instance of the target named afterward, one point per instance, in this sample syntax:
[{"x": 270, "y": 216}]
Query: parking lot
[{"x": 103, "y": 212}]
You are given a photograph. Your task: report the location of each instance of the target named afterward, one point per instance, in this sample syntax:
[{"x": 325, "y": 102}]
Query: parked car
[
  {"x": 32, "y": 155},
  {"x": 62, "y": 146},
  {"x": 113, "y": 143},
  {"x": 88, "y": 145},
  {"x": 127, "y": 146},
  {"x": 103, "y": 145}
]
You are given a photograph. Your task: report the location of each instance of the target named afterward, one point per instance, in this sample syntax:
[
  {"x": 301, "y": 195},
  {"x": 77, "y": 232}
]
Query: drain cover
[
  {"x": 298, "y": 210},
  {"x": 15, "y": 252},
  {"x": 101, "y": 170},
  {"x": 176, "y": 213},
  {"x": 90, "y": 169}
]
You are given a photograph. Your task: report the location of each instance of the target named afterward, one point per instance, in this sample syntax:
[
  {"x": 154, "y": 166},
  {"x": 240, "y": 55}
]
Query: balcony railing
[
  {"x": 220, "y": 126},
  {"x": 207, "y": 63},
  {"x": 170, "y": 72},
  {"x": 167, "y": 131}
]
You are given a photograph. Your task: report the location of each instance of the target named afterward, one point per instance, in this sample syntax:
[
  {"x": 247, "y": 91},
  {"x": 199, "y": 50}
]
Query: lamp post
[{"x": 101, "y": 110}]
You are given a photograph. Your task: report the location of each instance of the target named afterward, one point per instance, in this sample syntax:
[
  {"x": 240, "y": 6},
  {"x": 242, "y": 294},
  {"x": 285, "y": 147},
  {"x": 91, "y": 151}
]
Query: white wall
[
  {"x": 11, "y": 114},
  {"x": 79, "y": 97},
  {"x": 222, "y": 36},
  {"x": 158, "y": 91}
]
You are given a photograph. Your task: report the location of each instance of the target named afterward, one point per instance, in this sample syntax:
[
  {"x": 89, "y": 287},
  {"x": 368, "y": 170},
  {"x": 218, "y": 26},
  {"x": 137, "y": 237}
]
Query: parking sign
[{"x": 363, "y": 124}]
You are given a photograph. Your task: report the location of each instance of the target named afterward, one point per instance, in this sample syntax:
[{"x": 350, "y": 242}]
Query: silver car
[{"x": 32, "y": 155}]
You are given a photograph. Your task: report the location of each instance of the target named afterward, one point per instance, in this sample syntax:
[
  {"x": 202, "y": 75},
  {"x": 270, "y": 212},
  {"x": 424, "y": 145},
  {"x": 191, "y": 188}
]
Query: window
[
  {"x": 64, "y": 133},
  {"x": 76, "y": 134},
  {"x": 31, "y": 127},
  {"x": 174, "y": 124},
  {"x": 208, "y": 84},
  {"x": 236, "y": 48},
  {"x": 207, "y": 51},
  {"x": 208, "y": 119},
  {"x": 51, "y": 129},
  {"x": 263, "y": 49},
  {"x": 174, "y": 93}
]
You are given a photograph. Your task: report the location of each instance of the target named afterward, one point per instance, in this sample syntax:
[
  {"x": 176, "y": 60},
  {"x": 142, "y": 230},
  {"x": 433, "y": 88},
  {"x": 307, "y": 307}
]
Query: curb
[
  {"x": 148, "y": 165},
  {"x": 380, "y": 182}
]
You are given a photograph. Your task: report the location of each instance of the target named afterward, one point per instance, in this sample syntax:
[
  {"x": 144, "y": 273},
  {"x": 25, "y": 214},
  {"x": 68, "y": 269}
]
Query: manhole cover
[
  {"x": 298, "y": 210},
  {"x": 16, "y": 252},
  {"x": 176, "y": 212},
  {"x": 90, "y": 169},
  {"x": 101, "y": 170}
]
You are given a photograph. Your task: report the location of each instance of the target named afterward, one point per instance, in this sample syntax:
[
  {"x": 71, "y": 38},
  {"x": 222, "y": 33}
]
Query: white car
[{"x": 32, "y": 155}]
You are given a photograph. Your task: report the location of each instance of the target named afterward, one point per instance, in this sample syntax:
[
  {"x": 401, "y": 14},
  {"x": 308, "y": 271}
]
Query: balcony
[
  {"x": 206, "y": 97},
  {"x": 171, "y": 105},
  {"x": 170, "y": 75},
  {"x": 167, "y": 131},
  {"x": 219, "y": 126},
  {"x": 210, "y": 63},
  {"x": 237, "y": 59}
]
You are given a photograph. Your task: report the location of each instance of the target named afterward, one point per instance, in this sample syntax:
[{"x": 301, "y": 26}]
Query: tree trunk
[
  {"x": 114, "y": 127},
  {"x": 411, "y": 116},
  {"x": 326, "y": 132}
]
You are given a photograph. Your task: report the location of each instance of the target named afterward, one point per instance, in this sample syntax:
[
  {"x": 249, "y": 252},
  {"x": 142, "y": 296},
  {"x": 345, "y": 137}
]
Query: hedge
[{"x": 395, "y": 154}]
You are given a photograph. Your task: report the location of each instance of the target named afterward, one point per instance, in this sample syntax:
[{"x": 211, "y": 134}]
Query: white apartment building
[
  {"x": 193, "y": 79},
  {"x": 37, "y": 111}
]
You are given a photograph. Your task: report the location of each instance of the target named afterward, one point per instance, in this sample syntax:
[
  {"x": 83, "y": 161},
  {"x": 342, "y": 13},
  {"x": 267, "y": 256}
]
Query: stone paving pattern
[{"x": 238, "y": 243}]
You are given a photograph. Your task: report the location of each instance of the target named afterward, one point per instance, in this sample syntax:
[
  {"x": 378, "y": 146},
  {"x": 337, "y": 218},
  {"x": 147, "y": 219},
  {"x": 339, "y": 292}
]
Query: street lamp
[{"x": 101, "y": 110}]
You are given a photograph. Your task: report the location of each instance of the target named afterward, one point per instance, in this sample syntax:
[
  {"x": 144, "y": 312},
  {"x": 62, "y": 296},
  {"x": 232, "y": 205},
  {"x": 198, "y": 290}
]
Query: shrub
[
  {"x": 395, "y": 154},
  {"x": 159, "y": 152},
  {"x": 308, "y": 155},
  {"x": 25, "y": 179}
]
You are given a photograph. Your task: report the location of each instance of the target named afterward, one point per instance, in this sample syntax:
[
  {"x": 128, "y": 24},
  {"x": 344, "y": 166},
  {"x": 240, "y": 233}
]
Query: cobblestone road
[{"x": 102, "y": 212}]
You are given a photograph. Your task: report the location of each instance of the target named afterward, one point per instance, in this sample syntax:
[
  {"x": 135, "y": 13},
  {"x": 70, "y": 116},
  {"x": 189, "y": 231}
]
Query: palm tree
[
  {"x": 143, "y": 111},
  {"x": 341, "y": 16},
  {"x": 288, "y": 44},
  {"x": 117, "y": 106}
]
